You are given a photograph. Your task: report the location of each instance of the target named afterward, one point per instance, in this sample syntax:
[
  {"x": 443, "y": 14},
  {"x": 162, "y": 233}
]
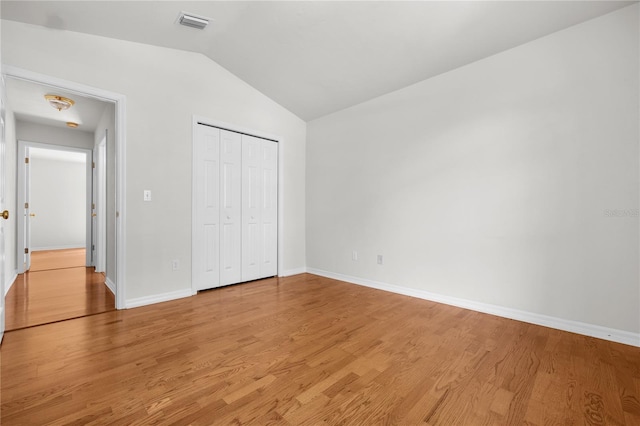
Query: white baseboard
[
  {"x": 614, "y": 335},
  {"x": 290, "y": 272},
  {"x": 56, "y": 248},
  {"x": 10, "y": 281},
  {"x": 110, "y": 285},
  {"x": 157, "y": 298}
]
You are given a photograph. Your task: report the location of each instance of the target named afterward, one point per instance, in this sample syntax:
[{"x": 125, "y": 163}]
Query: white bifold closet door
[
  {"x": 206, "y": 193},
  {"x": 235, "y": 190},
  {"x": 259, "y": 208},
  {"x": 230, "y": 207}
]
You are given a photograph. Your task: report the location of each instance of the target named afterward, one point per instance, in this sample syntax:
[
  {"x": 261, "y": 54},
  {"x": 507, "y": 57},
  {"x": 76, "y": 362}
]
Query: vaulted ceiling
[{"x": 318, "y": 57}]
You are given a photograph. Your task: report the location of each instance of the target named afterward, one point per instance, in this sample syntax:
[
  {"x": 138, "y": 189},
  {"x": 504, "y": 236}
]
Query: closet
[{"x": 235, "y": 229}]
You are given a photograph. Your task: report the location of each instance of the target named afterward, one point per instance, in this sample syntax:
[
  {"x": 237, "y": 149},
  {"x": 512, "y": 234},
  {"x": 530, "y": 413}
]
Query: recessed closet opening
[{"x": 235, "y": 228}]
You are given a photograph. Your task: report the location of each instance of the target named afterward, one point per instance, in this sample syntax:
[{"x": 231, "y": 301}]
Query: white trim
[
  {"x": 280, "y": 251},
  {"x": 120, "y": 144},
  {"x": 290, "y": 272},
  {"x": 110, "y": 285},
  {"x": 240, "y": 129},
  {"x": 12, "y": 281},
  {"x": 99, "y": 198},
  {"x": 592, "y": 330},
  {"x": 158, "y": 298}
]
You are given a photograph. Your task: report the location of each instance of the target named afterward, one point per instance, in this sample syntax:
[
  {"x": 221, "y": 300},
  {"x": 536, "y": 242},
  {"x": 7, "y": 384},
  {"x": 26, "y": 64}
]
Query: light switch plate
[{"x": 147, "y": 195}]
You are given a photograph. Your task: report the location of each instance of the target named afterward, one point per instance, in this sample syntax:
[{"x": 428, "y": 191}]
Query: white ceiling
[
  {"x": 27, "y": 101},
  {"x": 317, "y": 57}
]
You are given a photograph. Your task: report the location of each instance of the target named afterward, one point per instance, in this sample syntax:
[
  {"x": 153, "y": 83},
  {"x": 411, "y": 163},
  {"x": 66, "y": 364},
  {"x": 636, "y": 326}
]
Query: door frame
[
  {"x": 21, "y": 220},
  {"x": 251, "y": 132},
  {"x": 119, "y": 102},
  {"x": 99, "y": 226}
]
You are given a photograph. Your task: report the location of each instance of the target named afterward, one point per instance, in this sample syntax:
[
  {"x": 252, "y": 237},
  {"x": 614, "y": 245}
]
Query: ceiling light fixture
[
  {"x": 193, "y": 21},
  {"x": 72, "y": 124},
  {"x": 59, "y": 102}
]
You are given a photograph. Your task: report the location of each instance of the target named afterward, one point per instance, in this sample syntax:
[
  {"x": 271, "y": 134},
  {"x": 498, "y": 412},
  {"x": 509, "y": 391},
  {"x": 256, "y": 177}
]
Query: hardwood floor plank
[
  {"x": 54, "y": 290},
  {"x": 305, "y": 350},
  {"x": 45, "y": 260}
]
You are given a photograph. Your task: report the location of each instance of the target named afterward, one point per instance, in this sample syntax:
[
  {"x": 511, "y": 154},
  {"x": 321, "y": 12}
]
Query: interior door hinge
[
  {"x": 26, "y": 160},
  {"x": 93, "y": 165},
  {"x": 26, "y": 251},
  {"x": 26, "y": 205}
]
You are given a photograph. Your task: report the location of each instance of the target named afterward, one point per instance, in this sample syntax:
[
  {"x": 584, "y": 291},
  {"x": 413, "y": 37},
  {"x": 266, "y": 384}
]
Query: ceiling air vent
[{"x": 190, "y": 20}]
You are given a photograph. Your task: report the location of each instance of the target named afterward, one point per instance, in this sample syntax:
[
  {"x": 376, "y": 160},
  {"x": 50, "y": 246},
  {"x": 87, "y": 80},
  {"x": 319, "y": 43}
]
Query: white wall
[
  {"x": 34, "y": 132},
  {"x": 494, "y": 183},
  {"x": 59, "y": 201},
  {"x": 164, "y": 88}
]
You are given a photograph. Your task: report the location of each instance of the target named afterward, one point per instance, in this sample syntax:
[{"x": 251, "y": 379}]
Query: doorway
[
  {"x": 114, "y": 155},
  {"x": 55, "y": 206},
  {"x": 56, "y": 245}
]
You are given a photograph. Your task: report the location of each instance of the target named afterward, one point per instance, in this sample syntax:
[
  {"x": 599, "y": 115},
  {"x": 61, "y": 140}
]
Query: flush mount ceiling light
[
  {"x": 72, "y": 124},
  {"x": 193, "y": 21},
  {"x": 59, "y": 102}
]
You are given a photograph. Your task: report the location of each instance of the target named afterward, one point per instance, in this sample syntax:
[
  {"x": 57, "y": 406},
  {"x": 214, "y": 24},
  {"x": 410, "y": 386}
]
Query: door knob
[
  {"x": 5, "y": 214},
  {"x": 93, "y": 215},
  {"x": 32, "y": 214}
]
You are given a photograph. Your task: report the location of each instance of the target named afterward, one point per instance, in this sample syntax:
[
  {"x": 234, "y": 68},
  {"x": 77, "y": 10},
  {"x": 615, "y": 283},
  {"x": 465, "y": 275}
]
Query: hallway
[{"x": 57, "y": 287}]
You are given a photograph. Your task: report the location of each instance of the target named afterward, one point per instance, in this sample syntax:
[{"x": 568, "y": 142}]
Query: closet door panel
[
  {"x": 269, "y": 208},
  {"x": 251, "y": 203},
  {"x": 231, "y": 207},
  {"x": 207, "y": 214}
]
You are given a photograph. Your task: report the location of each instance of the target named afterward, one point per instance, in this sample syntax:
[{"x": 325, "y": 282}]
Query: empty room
[{"x": 320, "y": 212}]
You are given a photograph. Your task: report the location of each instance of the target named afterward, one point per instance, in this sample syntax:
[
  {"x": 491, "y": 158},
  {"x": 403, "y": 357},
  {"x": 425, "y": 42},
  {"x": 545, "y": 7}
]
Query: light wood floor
[
  {"x": 306, "y": 350},
  {"x": 57, "y": 287},
  {"x": 46, "y": 260}
]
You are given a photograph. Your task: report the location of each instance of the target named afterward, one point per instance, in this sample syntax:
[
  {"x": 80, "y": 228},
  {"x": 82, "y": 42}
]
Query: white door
[
  {"x": 269, "y": 209},
  {"x": 2, "y": 205},
  {"x": 259, "y": 208},
  {"x": 235, "y": 214},
  {"x": 230, "y": 207},
  {"x": 206, "y": 232},
  {"x": 94, "y": 214},
  {"x": 22, "y": 209},
  {"x": 251, "y": 196}
]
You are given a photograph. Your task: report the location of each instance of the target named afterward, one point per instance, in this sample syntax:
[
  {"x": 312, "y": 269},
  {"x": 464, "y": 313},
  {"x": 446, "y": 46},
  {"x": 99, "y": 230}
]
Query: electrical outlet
[
  {"x": 175, "y": 264},
  {"x": 379, "y": 259},
  {"x": 354, "y": 255}
]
